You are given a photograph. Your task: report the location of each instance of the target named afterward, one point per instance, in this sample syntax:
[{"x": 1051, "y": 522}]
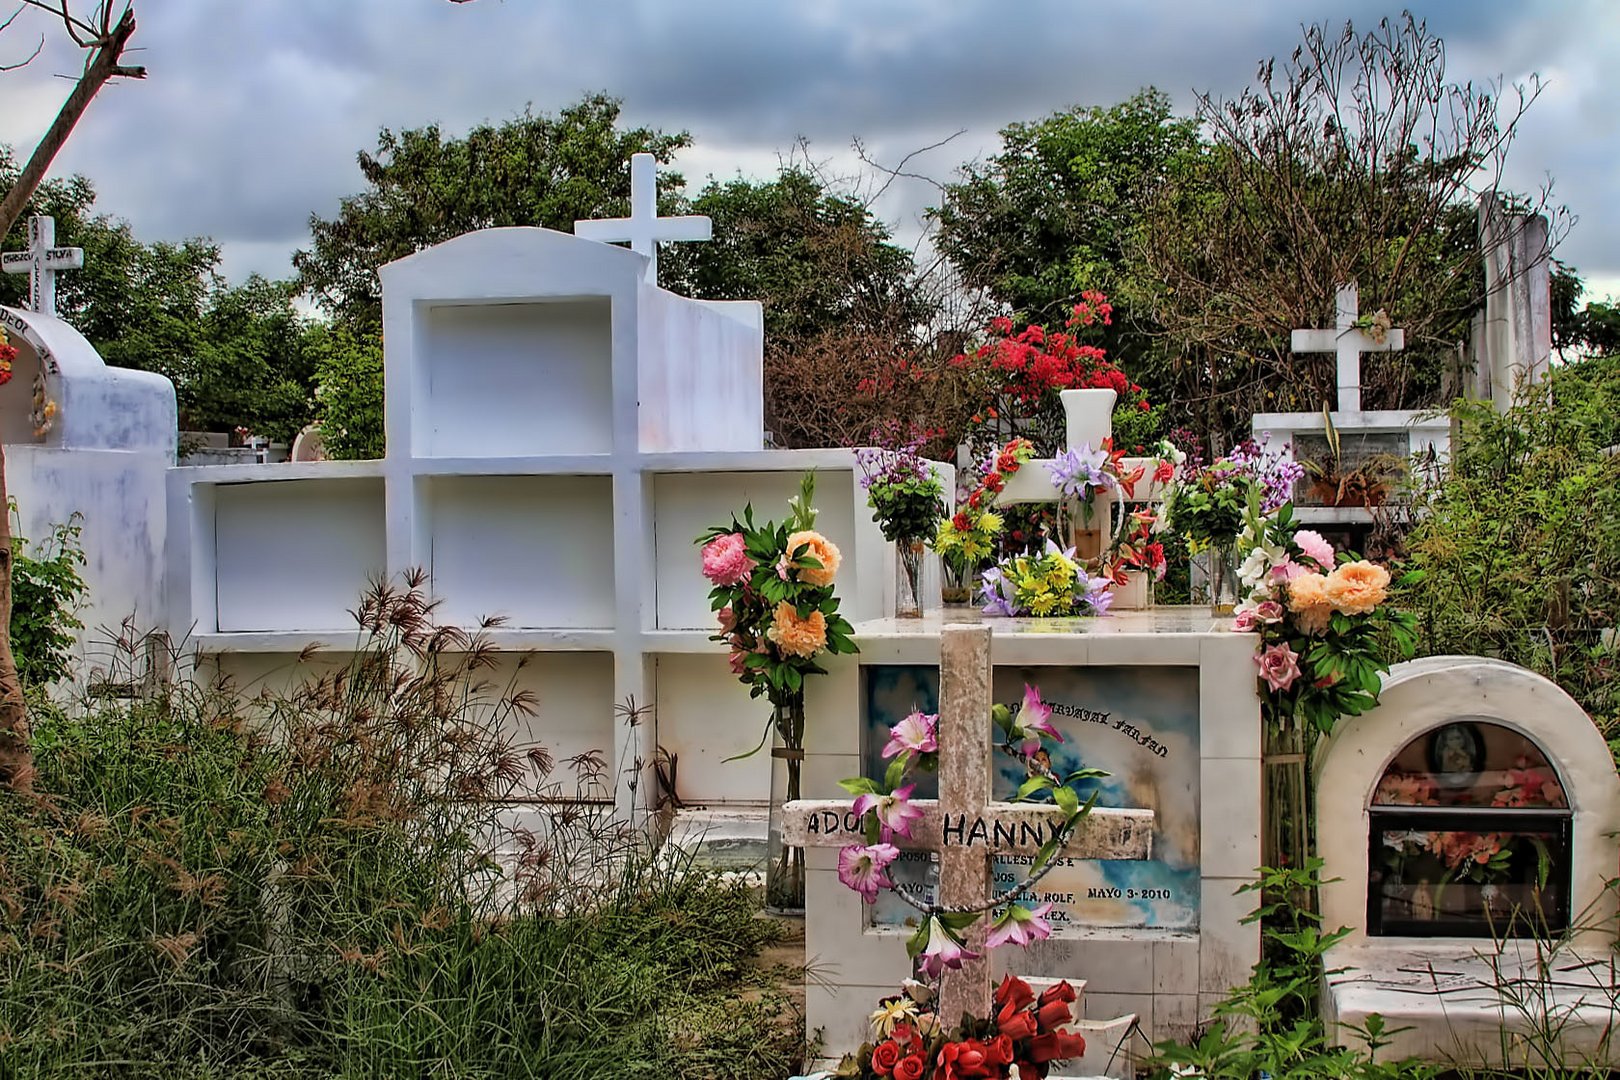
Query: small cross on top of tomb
[
  {"x": 644, "y": 229},
  {"x": 963, "y": 826},
  {"x": 40, "y": 262},
  {"x": 1348, "y": 341}
]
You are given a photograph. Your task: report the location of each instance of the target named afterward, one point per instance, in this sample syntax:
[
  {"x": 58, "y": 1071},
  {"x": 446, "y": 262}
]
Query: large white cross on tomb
[
  {"x": 1348, "y": 341},
  {"x": 41, "y": 261},
  {"x": 644, "y": 229},
  {"x": 963, "y": 826}
]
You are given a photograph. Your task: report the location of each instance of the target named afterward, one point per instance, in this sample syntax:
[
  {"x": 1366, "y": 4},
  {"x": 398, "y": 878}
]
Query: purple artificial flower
[
  {"x": 1000, "y": 595},
  {"x": 861, "y": 868},
  {"x": 895, "y": 813},
  {"x": 1275, "y": 471},
  {"x": 1080, "y": 474},
  {"x": 918, "y": 732},
  {"x": 1098, "y": 596}
]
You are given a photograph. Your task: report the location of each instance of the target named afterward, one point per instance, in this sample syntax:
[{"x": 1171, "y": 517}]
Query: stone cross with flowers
[
  {"x": 963, "y": 827},
  {"x": 1351, "y": 336}
]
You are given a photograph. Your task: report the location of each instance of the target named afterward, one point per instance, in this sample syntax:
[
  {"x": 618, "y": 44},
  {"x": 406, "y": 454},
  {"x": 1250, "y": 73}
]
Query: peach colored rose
[
  {"x": 1358, "y": 587},
  {"x": 1308, "y": 600},
  {"x": 795, "y": 636},
  {"x": 822, "y": 550}
]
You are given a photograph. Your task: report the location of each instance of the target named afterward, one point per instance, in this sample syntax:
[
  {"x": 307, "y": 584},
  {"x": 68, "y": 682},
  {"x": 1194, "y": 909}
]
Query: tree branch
[{"x": 102, "y": 65}]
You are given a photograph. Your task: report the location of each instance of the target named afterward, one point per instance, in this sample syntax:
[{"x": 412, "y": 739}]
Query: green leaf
[
  {"x": 859, "y": 785},
  {"x": 896, "y": 771},
  {"x": 1030, "y": 786},
  {"x": 1067, "y": 798}
]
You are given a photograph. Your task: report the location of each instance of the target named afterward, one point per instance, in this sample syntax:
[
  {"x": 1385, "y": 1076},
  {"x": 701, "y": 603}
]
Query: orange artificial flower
[
  {"x": 1308, "y": 599},
  {"x": 819, "y": 548},
  {"x": 1358, "y": 587},
  {"x": 795, "y": 636}
]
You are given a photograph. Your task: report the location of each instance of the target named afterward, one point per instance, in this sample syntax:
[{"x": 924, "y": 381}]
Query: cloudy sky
[{"x": 254, "y": 109}]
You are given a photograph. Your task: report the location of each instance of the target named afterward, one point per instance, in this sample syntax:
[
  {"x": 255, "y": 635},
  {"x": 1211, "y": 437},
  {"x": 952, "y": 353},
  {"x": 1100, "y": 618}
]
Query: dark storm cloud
[{"x": 255, "y": 108}]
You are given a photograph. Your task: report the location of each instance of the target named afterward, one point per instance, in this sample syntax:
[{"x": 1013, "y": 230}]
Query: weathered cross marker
[
  {"x": 644, "y": 229},
  {"x": 963, "y": 825},
  {"x": 1348, "y": 341},
  {"x": 41, "y": 262}
]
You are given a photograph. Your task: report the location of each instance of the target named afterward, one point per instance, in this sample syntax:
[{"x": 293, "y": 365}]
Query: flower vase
[
  {"x": 1220, "y": 567},
  {"x": 908, "y": 567},
  {"x": 1089, "y": 533},
  {"x": 956, "y": 585},
  {"x": 1137, "y": 592},
  {"x": 784, "y": 863}
]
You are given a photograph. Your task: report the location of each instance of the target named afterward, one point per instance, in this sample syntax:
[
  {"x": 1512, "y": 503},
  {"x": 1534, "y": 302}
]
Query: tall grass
[{"x": 324, "y": 883}]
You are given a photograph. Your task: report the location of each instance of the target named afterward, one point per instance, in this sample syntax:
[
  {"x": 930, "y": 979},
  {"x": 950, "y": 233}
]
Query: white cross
[
  {"x": 41, "y": 262},
  {"x": 1349, "y": 341},
  {"x": 963, "y": 826},
  {"x": 644, "y": 229}
]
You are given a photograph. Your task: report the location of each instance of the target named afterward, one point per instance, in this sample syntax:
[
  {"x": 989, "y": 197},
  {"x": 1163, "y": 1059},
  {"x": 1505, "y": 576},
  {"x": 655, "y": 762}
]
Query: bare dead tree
[
  {"x": 103, "y": 36},
  {"x": 1353, "y": 161}
]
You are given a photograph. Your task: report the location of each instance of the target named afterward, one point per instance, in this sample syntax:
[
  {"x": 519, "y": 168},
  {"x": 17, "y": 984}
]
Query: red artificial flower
[
  {"x": 960, "y": 522},
  {"x": 966, "y": 1060},
  {"x": 910, "y": 1067},
  {"x": 1055, "y": 1046},
  {"x": 1052, "y": 1015},
  {"x": 1001, "y": 324},
  {"x": 885, "y": 1056},
  {"x": 1144, "y": 406},
  {"x": 1164, "y": 472},
  {"x": 907, "y": 1036}
]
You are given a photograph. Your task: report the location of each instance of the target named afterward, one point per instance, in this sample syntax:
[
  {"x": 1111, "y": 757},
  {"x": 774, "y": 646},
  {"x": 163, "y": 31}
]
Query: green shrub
[
  {"x": 308, "y": 884},
  {"x": 1519, "y": 540},
  {"x": 46, "y": 594},
  {"x": 349, "y": 393}
]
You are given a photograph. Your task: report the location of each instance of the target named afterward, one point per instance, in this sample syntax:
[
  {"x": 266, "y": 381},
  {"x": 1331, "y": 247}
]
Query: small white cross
[
  {"x": 644, "y": 229},
  {"x": 41, "y": 262},
  {"x": 964, "y": 826},
  {"x": 1349, "y": 341}
]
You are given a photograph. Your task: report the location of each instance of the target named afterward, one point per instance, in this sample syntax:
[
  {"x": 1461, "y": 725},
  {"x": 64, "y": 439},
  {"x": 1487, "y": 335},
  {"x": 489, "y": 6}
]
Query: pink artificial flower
[
  {"x": 1287, "y": 570},
  {"x": 728, "y": 619},
  {"x": 725, "y": 559},
  {"x": 895, "y": 813},
  {"x": 918, "y": 732},
  {"x": 1316, "y": 549},
  {"x": 1020, "y": 926},
  {"x": 861, "y": 868},
  {"x": 943, "y": 951},
  {"x": 784, "y": 567},
  {"x": 1246, "y": 621},
  {"x": 1279, "y": 667},
  {"x": 1036, "y": 715},
  {"x": 737, "y": 658},
  {"x": 1269, "y": 611}
]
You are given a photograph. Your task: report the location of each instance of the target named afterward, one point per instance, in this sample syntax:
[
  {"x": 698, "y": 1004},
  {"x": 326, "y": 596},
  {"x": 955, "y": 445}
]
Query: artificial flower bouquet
[
  {"x": 903, "y": 489},
  {"x": 8, "y": 354},
  {"x": 1026, "y": 1031},
  {"x": 773, "y": 592},
  {"x": 966, "y": 540},
  {"x": 1326, "y": 630},
  {"x": 1137, "y": 550},
  {"x": 1050, "y": 584},
  {"x": 1208, "y": 504}
]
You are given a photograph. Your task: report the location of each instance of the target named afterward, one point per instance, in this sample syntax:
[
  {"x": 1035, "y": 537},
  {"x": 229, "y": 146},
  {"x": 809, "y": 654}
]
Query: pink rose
[
  {"x": 1316, "y": 549},
  {"x": 738, "y": 657},
  {"x": 1287, "y": 570},
  {"x": 728, "y": 619},
  {"x": 725, "y": 559},
  {"x": 1246, "y": 621},
  {"x": 1269, "y": 611},
  {"x": 1279, "y": 667}
]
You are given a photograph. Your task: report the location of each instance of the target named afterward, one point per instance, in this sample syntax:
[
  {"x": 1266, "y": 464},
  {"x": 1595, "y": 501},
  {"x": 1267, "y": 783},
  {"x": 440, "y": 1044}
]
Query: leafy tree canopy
[
  {"x": 234, "y": 353},
  {"x": 424, "y": 188}
]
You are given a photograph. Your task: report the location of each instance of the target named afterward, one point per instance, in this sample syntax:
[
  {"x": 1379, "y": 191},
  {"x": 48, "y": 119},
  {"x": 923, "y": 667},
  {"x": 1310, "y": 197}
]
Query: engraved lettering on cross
[
  {"x": 644, "y": 229},
  {"x": 1348, "y": 341},
  {"x": 40, "y": 262},
  {"x": 963, "y": 826}
]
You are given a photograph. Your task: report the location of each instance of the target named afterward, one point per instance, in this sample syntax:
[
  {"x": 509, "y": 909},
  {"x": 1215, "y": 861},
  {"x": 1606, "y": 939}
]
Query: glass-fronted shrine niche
[{"x": 1469, "y": 836}]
